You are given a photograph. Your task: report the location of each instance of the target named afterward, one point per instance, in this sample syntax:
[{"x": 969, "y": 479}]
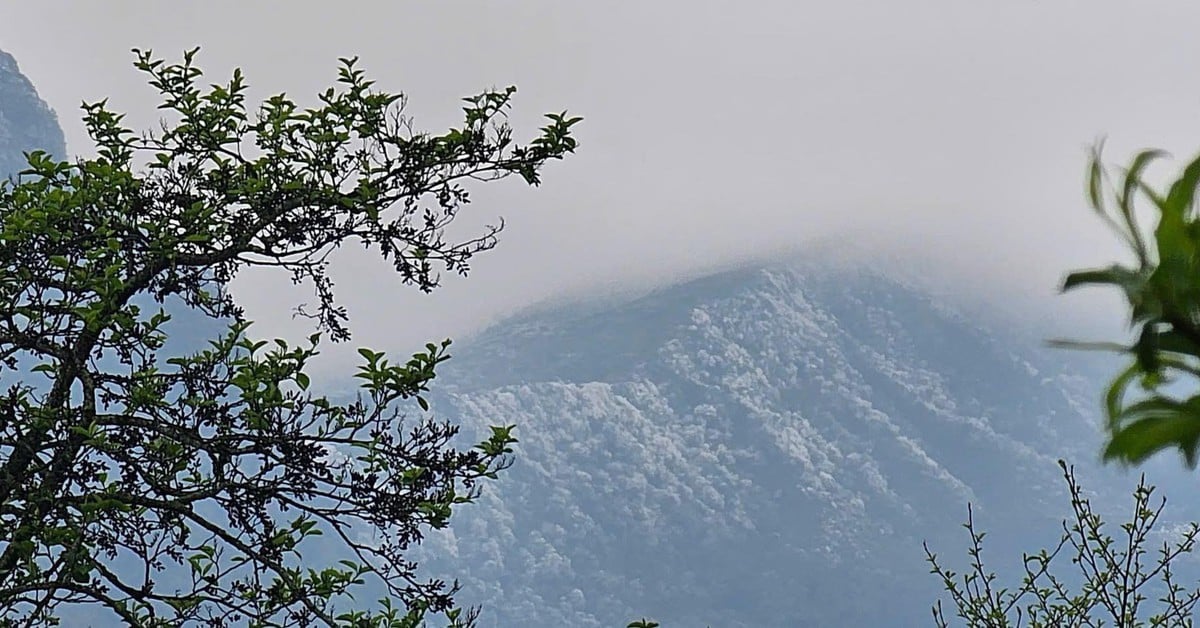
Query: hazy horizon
[{"x": 713, "y": 132}]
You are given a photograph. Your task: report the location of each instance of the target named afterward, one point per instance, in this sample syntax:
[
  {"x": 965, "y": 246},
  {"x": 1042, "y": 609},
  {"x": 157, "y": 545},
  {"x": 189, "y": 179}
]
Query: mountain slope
[
  {"x": 762, "y": 447},
  {"x": 26, "y": 121}
]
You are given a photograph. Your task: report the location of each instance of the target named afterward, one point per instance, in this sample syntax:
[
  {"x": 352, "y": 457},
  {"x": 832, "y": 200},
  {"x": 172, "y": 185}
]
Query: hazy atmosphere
[
  {"x": 773, "y": 325},
  {"x": 713, "y": 131}
]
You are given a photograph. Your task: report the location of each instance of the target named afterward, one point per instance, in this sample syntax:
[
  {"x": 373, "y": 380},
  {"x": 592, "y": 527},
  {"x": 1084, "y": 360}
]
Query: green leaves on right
[{"x": 1154, "y": 403}]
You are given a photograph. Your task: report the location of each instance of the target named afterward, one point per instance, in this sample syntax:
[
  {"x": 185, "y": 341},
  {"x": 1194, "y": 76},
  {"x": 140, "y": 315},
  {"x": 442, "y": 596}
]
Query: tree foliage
[
  {"x": 186, "y": 489},
  {"x": 1116, "y": 576},
  {"x": 1162, "y": 288}
]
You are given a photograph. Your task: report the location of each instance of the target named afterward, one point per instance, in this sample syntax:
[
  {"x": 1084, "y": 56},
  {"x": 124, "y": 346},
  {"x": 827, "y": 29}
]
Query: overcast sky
[{"x": 714, "y": 130}]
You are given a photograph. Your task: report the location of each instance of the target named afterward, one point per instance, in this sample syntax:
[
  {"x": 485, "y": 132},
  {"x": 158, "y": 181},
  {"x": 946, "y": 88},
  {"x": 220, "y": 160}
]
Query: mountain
[
  {"x": 26, "y": 121},
  {"x": 767, "y": 446}
]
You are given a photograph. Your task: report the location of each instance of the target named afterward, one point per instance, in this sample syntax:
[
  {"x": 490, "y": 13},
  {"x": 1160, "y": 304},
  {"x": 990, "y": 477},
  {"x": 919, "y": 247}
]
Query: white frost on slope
[{"x": 761, "y": 416}]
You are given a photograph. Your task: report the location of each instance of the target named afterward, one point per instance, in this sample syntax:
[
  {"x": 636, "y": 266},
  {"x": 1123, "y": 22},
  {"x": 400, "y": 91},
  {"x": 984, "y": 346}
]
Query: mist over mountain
[{"x": 766, "y": 446}]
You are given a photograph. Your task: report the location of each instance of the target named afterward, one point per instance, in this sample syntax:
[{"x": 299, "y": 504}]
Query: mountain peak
[
  {"x": 739, "y": 446},
  {"x": 610, "y": 337}
]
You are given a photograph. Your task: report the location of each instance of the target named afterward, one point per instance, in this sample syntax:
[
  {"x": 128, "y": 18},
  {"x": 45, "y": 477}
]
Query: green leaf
[
  {"x": 1113, "y": 275},
  {"x": 1096, "y": 180},
  {"x": 1161, "y": 427},
  {"x": 1146, "y": 349},
  {"x": 1182, "y": 193},
  {"x": 1083, "y": 345},
  {"x": 1116, "y": 391},
  {"x": 1172, "y": 341},
  {"x": 1133, "y": 175}
]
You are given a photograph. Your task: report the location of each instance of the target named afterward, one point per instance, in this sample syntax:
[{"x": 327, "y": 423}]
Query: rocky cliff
[{"x": 26, "y": 121}]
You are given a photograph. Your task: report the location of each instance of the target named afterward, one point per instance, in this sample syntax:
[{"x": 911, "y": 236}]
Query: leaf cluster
[{"x": 1162, "y": 289}]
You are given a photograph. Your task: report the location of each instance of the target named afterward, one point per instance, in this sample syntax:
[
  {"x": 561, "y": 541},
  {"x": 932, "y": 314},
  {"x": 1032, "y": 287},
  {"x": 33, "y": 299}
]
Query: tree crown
[{"x": 175, "y": 489}]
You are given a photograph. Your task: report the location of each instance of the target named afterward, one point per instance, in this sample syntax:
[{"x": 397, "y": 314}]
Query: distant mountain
[
  {"x": 26, "y": 121},
  {"x": 766, "y": 446}
]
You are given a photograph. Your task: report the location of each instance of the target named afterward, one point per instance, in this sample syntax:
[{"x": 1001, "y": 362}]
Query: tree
[
  {"x": 1162, "y": 289},
  {"x": 185, "y": 489},
  {"x": 1116, "y": 578}
]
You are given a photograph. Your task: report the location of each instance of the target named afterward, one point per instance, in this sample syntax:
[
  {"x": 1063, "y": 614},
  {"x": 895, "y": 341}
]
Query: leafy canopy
[{"x": 169, "y": 489}]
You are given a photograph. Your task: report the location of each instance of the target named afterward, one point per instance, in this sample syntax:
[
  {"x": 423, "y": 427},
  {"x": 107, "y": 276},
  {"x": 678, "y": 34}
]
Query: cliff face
[{"x": 26, "y": 121}]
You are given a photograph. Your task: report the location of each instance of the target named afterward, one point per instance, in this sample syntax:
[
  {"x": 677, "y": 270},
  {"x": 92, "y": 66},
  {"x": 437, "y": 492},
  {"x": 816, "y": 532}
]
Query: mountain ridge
[{"x": 785, "y": 429}]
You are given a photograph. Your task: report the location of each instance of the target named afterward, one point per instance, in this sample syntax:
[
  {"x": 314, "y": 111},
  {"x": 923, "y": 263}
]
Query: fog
[{"x": 714, "y": 132}]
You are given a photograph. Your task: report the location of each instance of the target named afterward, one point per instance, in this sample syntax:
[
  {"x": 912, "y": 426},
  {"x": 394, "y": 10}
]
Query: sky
[{"x": 714, "y": 131}]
